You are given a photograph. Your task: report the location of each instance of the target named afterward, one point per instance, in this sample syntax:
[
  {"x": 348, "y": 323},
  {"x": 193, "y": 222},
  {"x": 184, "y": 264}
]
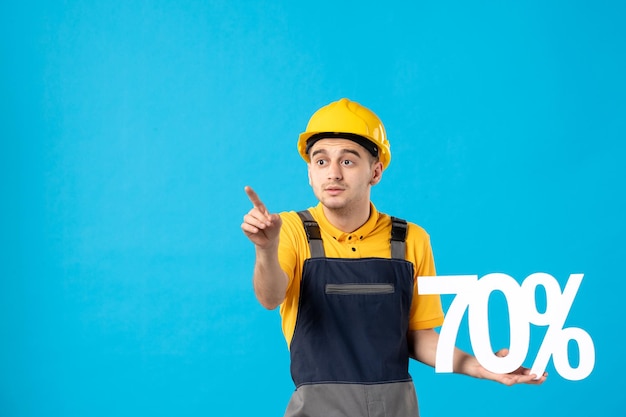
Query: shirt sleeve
[{"x": 287, "y": 247}]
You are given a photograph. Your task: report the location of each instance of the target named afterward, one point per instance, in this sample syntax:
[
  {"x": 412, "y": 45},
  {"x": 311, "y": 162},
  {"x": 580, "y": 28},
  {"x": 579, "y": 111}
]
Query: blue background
[{"x": 129, "y": 130}]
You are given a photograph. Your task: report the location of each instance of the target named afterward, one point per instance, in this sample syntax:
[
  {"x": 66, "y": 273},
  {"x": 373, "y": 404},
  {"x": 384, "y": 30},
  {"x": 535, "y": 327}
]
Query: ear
[
  {"x": 377, "y": 173},
  {"x": 308, "y": 172}
]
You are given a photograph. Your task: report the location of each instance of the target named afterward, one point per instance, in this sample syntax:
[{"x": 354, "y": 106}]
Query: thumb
[
  {"x": 275, "y": 219},
  {"x": 502, "y": 353}
]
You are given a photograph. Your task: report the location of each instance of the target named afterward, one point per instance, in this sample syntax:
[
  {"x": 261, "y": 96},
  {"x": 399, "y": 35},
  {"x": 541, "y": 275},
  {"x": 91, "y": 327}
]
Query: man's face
[{"x": 341, "y": 173}]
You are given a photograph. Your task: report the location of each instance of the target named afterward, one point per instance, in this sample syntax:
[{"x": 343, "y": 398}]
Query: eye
[
  {"x": 346, "y": 162},
  {"x": 320, "y": 162}
]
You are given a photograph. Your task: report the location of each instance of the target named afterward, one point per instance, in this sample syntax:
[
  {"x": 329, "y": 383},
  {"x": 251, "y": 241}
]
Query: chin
[{"x": 333, "y": 204}]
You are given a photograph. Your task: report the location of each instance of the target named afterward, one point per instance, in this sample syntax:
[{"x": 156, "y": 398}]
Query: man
[{"x": 345, "y": 277}]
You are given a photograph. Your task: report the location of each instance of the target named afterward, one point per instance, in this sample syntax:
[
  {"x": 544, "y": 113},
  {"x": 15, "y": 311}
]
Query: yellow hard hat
[{"x": 349, "y": 120}]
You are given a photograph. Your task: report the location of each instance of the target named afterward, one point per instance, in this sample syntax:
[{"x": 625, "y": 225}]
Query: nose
[{"x": 334, "y": 171}]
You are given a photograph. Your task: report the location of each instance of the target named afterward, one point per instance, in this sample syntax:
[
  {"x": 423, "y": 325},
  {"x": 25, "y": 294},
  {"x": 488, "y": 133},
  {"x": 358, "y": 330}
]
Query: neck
[{"x": 347, "y": 219}]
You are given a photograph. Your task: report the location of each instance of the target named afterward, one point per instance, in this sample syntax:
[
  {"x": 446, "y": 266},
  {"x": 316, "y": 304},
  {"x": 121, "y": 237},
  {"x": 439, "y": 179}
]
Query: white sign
[{"x": 472, "y": 294}]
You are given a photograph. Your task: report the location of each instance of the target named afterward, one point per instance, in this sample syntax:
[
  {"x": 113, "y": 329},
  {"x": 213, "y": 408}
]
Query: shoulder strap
[
  {"x": 313, "y": 234},
  {"x": 399, "y": 229},
  {"x": 398, "y": 238}
]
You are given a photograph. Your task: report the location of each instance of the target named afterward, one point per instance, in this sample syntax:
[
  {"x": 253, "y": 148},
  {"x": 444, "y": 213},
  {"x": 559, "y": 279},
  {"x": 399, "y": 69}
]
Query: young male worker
[{"x": 345, "y": 277}]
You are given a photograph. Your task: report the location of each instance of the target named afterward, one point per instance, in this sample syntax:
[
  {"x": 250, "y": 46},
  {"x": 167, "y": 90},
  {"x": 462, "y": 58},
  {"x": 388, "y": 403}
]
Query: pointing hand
[{"x": 261, "y": 227}]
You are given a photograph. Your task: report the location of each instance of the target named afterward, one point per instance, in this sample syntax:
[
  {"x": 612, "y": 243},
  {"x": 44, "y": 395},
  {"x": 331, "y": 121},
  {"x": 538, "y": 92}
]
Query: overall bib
[{"x": 349, "y": 351}]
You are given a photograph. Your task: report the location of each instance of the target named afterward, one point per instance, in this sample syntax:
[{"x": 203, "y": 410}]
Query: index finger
[{"x": 254, "y": 199}]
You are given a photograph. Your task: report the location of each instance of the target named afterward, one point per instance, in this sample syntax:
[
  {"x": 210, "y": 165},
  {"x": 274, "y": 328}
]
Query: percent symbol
[{"x": 556, "y": 340}]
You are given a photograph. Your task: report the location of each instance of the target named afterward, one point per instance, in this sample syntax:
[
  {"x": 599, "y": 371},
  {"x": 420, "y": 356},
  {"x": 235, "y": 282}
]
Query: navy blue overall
[{"x": 349, "y": 352}]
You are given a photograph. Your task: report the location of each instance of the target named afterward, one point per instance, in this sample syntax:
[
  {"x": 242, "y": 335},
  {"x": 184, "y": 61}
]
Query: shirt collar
[{"x": 361, "y": 233}]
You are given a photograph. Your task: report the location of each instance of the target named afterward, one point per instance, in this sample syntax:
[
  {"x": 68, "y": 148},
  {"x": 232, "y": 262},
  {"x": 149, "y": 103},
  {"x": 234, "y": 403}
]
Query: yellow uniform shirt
[{"x": 370, "y": 240}]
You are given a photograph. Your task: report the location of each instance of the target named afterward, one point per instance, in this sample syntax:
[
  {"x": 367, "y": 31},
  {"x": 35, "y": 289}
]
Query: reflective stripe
[{"x": 352, "y": 289}]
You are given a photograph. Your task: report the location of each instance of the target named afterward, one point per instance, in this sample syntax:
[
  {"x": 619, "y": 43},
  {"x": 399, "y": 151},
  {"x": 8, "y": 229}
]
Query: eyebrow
[{"x": 343, "y": 151}]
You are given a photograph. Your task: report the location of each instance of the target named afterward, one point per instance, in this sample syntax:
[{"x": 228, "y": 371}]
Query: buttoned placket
[{"x": 352, "y": 241}]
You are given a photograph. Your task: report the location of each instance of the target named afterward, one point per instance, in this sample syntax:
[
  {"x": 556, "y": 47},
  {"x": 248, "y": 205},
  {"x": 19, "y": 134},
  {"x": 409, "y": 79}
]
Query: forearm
[
  {"x": 465, "y": 364},
  {"x": 269, "y": 280},
  {"x": 423, "y": 345}
]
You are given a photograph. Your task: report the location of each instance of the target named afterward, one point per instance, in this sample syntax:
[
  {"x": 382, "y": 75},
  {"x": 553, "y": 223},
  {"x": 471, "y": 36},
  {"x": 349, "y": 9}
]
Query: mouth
[{"x": 333, "y": 190}]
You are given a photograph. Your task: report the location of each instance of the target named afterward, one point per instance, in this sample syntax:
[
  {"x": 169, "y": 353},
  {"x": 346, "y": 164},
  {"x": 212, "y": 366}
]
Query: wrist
[
  {"x": 267, "y": 251},
  {"x": 465, "y": 364}
]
